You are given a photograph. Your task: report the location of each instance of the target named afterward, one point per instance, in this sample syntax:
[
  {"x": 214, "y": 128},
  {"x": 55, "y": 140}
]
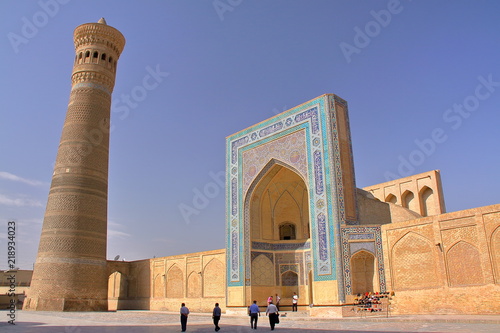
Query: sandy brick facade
[
  {"x": 445, "y": 263},
  {"x": 197, "y": 279},
  {"x": 70, "y": 269},
  {"x": 421, "y": 193}
]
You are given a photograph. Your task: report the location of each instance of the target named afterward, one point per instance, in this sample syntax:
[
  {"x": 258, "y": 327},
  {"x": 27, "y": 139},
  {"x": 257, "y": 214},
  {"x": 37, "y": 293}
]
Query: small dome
[{"x": 102, "y": 21}]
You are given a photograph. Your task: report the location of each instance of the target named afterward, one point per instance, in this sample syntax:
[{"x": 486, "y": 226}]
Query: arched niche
[
  {"x": 427, "y": 204},
  {"x": 175, "y": 282},
  {"x": 289, "y": 283},
  {"x": 409, "y": 201},
  {"x": 391, "y": 198},
  {"x": 213, "y": 279},
  {"x": 464, "y": 265},
  {"x": 364, "y": 272},
  {"x": 414, "y": 263},
  {"x": 278, "y": 196},
  {"x": 194, "y": 285}
]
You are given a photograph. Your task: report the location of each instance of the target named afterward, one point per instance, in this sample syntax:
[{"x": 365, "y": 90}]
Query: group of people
[
  {"x": 272, "y": 312},
  {"x": 216, "y": 313}
]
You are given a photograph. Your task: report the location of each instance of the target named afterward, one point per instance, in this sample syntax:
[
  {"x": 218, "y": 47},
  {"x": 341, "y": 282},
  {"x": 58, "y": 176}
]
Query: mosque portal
[{"x": 280, "y": 244}]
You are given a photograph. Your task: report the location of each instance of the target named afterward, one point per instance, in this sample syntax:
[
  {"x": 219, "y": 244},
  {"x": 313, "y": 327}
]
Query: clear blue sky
[{"x": 407, "y": 69}]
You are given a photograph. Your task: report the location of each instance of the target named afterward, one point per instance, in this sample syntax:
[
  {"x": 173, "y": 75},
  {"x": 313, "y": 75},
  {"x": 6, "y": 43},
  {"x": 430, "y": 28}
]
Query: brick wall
[{"x": 445, "y": 263}]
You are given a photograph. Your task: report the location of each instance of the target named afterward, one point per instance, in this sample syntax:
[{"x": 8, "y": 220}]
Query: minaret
[{"x": 70, "y": 270}]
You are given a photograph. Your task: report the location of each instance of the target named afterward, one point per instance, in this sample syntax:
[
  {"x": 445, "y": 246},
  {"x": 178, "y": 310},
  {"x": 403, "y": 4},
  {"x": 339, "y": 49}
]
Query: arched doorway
[
  {"x": 364, "y": 273},
  {"x": 278, "y": 223},
  {"x": 289, "y": 284},
  {"x": 117, "y": 290}
]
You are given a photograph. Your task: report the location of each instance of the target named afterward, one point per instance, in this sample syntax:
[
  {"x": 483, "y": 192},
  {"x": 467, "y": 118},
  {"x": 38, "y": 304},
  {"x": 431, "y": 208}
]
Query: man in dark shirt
[
  {"x": 184, "y": 316},
  {"x": 216, "y": 316}
]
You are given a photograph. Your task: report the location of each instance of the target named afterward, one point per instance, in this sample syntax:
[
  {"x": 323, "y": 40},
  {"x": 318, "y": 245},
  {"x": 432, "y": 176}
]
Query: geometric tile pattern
[
  {"x": 262, "y": 271},
  {"x": 281, "y": 246},
  {"x": 290, "y": 149},
  {"x": 305, "y": 140}
]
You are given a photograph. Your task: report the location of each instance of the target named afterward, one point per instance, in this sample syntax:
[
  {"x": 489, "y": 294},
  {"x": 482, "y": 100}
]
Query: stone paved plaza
[{"x": 156, "y": 322}]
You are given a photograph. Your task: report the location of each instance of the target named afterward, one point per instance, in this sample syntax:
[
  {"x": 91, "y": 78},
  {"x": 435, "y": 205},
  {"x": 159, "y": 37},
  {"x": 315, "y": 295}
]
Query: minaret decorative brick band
[{"x": 70, "y": 270}]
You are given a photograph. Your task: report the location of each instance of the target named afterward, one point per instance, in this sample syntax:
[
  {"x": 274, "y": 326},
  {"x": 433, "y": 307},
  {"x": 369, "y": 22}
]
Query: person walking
[
  {"x": 269, "y": 300},
  {"x": 272, "y": 312},
  {"x": 277, "y": 299},
  {"x": 295, "y": 299},
  {"x": 254, "y": 313},
  {"x": 216, "y": 316},
  {"x": 184, "y": 317}
]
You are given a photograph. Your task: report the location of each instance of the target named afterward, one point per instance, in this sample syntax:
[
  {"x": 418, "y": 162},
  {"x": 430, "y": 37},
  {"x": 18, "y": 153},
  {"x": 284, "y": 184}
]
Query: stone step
[{"x": 298, "y": 314}]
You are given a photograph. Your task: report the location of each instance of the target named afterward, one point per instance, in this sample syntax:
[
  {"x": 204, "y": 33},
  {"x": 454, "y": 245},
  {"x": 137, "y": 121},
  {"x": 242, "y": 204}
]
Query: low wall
[{"x": 448, "y": 263}]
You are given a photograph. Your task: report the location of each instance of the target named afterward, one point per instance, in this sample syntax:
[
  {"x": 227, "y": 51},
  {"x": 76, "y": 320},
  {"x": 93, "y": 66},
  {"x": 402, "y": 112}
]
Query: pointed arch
[
  {"x": 214, "y": 274},
  {"x": 115, "y": 285},
  {"x": 289, "y": 279},
  {"x": 268, "y": 203},
  {"x": 175, "y": 282},
  {"x": 495, "y": 251},
  {"x": 194, "y": 285},
  {"x": 464, "y": 265},
  {"x": 427, "y": 205},
  {"x": 289, "y": 283},
  {"x": 364, "y": 272},
  {"x": 409, "y": 201},
  {"x": 268, "y": 169},
  {"x": 277, "y": 186},
  {"x": 414, "y": 263},
  {"x": 391, "y": 198},
  {"x": 117, "y": 290},
  {"x": 262, "y": 271},
  {"x": 158, "y": 286}
]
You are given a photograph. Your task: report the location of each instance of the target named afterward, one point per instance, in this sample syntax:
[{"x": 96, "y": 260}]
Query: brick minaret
[{"x": 70, "y": 270}]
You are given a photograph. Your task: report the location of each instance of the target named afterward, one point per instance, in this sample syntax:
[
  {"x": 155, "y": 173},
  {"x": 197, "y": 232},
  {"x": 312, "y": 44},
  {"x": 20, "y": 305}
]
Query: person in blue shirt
[
  {"x": 216, "y": 316},
  {"x": 254, "y": 313}
]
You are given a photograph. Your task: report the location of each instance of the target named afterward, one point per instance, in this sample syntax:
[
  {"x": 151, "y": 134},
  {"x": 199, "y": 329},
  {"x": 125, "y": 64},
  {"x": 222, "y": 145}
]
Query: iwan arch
[{"x": 295, "y": 221}]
